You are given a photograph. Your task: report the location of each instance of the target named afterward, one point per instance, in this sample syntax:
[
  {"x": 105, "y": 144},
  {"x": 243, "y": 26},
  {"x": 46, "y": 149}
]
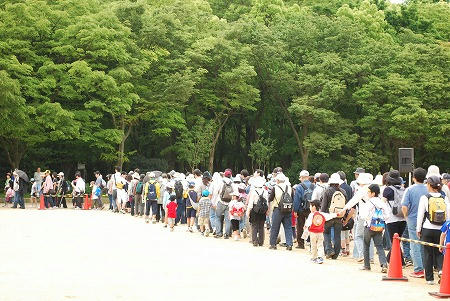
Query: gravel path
[{"x": 96, "y": 255}]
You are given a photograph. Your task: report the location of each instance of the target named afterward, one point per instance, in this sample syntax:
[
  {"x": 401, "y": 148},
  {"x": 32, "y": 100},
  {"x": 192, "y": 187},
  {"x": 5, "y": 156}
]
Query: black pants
[
  {"x": 61, "y": 200},
  {"x": 234, "y": 225},
  {"x": 399, "y": 228},
  {"x": 132, "y": 204},
  {"x": 48, "y": 199},
  {"x": 160, "y": 213},
  {"x": 79, "y": 201},
  {"x": 258, "y": 232},
  {"x": 301, "y": 218},
  {"x": 431, "y": 255},
  {"x": 336, "y": 224}
]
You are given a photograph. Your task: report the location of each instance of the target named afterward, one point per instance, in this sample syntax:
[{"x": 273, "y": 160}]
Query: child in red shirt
[
  {"x": 172, "y": 211},
  {"x": 315, "y": 225}
]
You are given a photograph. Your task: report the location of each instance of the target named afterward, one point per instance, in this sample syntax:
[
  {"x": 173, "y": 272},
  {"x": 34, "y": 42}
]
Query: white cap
[
  {"x": 257, "y": 182},
  {"x": 152, "y": 175},
  {"x": 281, "y": 177},
  {"x": 317, "y": 175},
  {"x": 304, "y": 173},
  {"x": 364, "y": 178},
  {"x": 433, "y": 170},
  {"x": 335, "y": 179},
  {"x": 61, "y": 174}
]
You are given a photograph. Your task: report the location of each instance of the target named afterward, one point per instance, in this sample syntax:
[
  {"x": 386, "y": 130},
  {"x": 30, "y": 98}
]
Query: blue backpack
[
  {"x": 151, "y": 192},
  {"x": 377, "y": 223}
]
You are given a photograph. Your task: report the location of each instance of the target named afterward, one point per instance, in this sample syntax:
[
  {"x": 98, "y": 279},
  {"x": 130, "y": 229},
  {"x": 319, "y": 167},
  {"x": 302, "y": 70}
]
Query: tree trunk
[
  {"x": 14, "y": 150},
  {"x": 303, "y": 152},
  {"x": 122, "y": 143},
  {"x": 213, "y": 146}
]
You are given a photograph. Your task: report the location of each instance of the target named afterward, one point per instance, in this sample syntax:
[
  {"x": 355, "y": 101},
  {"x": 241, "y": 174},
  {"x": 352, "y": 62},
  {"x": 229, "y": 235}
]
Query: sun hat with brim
[
  {"x": 359, "y": 170},
  {"x": 378, "y": 180},
  {"x": 335, "y": 179},
  {"x": 394, "y": 178},
  {"x": 317, "y": 175},
  {"x": 258, "y": 182},
  {"x": 136, "y": 176},
  {"x": 364, "y": 178},
  {"x": 433, "y": 170},
  {"x": 281, "y": 177}
]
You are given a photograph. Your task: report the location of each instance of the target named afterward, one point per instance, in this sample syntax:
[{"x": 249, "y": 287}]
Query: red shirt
[
  {"x": 318, "y": 223},
  {"x": 172, "y": 210}
]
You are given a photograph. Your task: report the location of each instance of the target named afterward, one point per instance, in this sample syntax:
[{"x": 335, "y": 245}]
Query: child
[
  {"x": 315, "y": 224},
  {"x": 34, "y": 193},
  {"x": 166, "y": 200},
  {"x": 191, "y": 200},
  {"x": 172, "y": 211},
  {"x": 204, "y": 208},
  {"x": 377, "y": 212},
  {"x": 236, "y": 210}
]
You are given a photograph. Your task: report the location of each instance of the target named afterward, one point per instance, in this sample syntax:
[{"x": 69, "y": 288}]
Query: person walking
[
  {"x": 222, "y": 216},
  {"x": 79, "y": 188},
  {"x": 410, "y": 206},
  {"x": 204, "y": 209},
  {"x": 257, "y": 210},
  {"x": 282, "y": 187},
  {"x": 48, "y": 190},
  {"x": 430, "y": 220},
  {"x": 19, "y": 191},
  {"x": 302, "y": 197}
]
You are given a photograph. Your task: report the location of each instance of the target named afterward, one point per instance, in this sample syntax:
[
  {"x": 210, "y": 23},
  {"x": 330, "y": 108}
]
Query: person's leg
[
  {"x": 132, "y": 205},
  {"x": 438, "y": 257},
  {"x": 327, "y": 238},
  {"x": 110, "y": 201},
  {"x": 416, "y": 249},
  {"x": 261, "y": 232},
  {"x": 275, "y": 227},
  {"x": 212, "y": 219},
  {"x": 427, "y": 236},
  {"x": 255, "y": 230},
  {"x": 314, "y": 240},
  {"x": 219, "y": 212},
  {"x": 147, "y": 210},
  {"x": 377, "y": 238},
  {"x": 287, "y": 225},
  {"x": 367, "y": 238},
  {"x": 406, "y": 245},
  {"x": 359, "y": 239},
  {"x": 21, "y": 201},
  {"x": 154, "y": 210},
  {"x": 227, "y": 221},
  {"x": 337, "y": 226},
  {"x": 301, "y": 218},
  {"x": 320, "y": 249}
]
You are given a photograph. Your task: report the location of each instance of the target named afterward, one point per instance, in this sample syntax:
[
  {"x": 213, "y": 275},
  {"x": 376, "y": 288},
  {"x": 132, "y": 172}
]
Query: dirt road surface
[{"x": 97, "y": 255}]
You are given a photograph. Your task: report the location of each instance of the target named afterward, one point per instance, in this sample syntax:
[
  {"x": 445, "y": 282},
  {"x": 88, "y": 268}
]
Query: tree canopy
[{"x": 324, "y": 85}]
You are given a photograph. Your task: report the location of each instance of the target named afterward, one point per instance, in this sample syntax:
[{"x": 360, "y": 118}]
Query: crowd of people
[{"x": 321, "y": 212}]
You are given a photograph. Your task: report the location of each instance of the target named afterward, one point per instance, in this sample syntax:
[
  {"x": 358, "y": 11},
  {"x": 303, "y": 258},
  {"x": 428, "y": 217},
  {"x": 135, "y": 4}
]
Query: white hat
[
  {"x": 304, "y": 173},
  {"x": 317, "y": 175},
  {"x": 136, "y": 176},
  {"x": 61, "y": 174},
  {"x": 378, "y": 180},
  {"x": 152, "y": 175},
  {"x": 433, "y": 170},
  {"x": 257, "y": 182},
  {"x": 237, "y": 179},
  {"x": 335, "y": 179},
  {"x": 281, "y": 178},
  {"x": 364, "y": 178}
]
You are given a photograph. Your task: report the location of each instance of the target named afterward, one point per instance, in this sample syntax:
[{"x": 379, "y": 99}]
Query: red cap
[{"x": 227, "y": 173}]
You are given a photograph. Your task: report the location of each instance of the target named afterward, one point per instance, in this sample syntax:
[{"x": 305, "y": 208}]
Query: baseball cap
[{"x": 304, "y": 173}]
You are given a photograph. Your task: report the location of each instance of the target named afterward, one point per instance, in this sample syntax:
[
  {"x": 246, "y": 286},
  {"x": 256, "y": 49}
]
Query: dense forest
[{"x": 179, "y": 84}]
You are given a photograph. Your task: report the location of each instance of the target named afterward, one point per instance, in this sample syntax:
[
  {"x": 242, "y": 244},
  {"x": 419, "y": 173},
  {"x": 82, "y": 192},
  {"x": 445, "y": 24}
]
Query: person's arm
[
  {"x": 308, "y": 221},
  {"x": 349, "y": 216},
  {"x": 324, "y": 200},
  {"x": 297, "y": 198},
  {"x": 329, "y": 216},
  {"x": 421, "y": 215},
  {"x": 441, "y": 241}
]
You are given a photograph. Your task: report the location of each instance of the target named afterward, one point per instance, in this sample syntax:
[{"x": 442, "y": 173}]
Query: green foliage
[{"x": 327, "y": 85}]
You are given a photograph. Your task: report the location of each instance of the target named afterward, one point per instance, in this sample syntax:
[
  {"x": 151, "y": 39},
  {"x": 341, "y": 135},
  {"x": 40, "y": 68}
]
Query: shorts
[
  {"x": 191, "y": 212},
  {"x": 345, "y": 235},
  {"x": 203, "y": 221},
  {"x": 235, "y": 224},
  {"x": 171, "y": 221}
]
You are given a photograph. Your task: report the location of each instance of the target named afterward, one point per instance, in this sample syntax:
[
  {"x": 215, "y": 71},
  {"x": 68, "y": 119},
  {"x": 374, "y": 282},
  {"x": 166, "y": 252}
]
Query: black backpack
[
  {"x": 179, "y": 190},
  {"x": 261, "y": 206},
  {"x": 286, "y": 204},
  {"x": 307, "y": 195}
]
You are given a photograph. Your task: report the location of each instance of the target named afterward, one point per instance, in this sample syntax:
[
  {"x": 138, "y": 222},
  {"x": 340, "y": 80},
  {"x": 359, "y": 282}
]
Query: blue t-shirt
[
  {"x": 412, "y": 197},
  {"x": 446, "y": 229}
]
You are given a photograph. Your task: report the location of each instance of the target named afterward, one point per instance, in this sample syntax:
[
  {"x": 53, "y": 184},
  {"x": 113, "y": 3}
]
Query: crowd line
[{"x": 320, "y": 213}]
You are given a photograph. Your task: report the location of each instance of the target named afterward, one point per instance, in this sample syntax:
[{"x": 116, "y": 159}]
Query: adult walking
[
  {"x": 302, "y": 196},
  {"x": 47, "y": 190},
  {"x": 257, "y": 209},
  {"x": 278, "y": 217},
  {"x": 224, "y": 198},
  {"x": 79, "y": 187}
]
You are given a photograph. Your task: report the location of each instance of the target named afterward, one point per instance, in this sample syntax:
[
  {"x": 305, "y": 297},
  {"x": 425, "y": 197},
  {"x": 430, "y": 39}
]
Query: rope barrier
[{"x": 428, "y": 244}]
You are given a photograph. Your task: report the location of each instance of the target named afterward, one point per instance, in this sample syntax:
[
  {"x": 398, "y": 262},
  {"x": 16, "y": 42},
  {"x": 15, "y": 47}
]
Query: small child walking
[
  {"x": 34, "y": 193},
  {"x": 172, "y": 211},
  {"x": 315, "y": 224},
  {"x": 204, "y": 208},
  {"x": 236, "y": 210}
]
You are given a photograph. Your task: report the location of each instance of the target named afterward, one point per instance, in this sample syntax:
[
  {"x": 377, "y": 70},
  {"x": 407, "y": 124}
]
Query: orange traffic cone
[
  {"x": 89, "y": 205},
  {"x": 444, "y": 291},
  {"x": 85, "y": 203},
  {"x": 395, "y": 264},
  {"x": 41, "y": 202}
]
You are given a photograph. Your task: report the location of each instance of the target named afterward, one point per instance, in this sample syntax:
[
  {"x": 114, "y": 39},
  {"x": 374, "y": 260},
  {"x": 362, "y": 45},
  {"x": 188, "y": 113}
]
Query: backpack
[
  {"x": 437, "y": 210},
  {"x": 337, "y": 202},
  {"x": 139, "y": 187},
  {"x": 103, "y": 184},
  {"x": 286, "y": 204},
  {"x": 179, "y": 190},
  {"x": 307, "y": 195},
  {"x": 261, "y": 206},
  {"x": 397, "y": 202},
  {"x": 151, "y": 192},
  {"x": 67, "y": 187},
  {"x": 377, "y": 223},
  {"x": 227, "y": 190}
]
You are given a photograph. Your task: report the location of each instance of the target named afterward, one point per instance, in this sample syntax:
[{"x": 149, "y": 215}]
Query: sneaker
[
  {"x": 190, "y": 230},
  {"x": 360, "y": 259},
  {"x": 419, "y": 274},
  {"x": 289, "y": 248},
  {"x": 171, "y": 229},
  {"x": 408, "y": 262},
  {"x": 153, "y": 222},
  {"x": 273, "y": 247},
  {"x": 165, "y": 226},
  {"x": 206, "y": 233},
  {"x": 244, "y": 233},
  {"x": 384, "y": 269},
  {"x": 319, "y": 260},
  {"x": 300, "y": 247},
  {"x": 430, "y": 282},
  {"x": 372, "y": 261},
  {"x": 364, "y": 268},
  {"x": 283, "y": 245},
  {"x": 226, "y": 236},
  {"x": 313, "y": 260}
]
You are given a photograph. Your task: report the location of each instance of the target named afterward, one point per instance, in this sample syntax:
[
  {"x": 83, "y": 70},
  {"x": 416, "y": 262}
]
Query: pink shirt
[{"x": 48, "y": 184}]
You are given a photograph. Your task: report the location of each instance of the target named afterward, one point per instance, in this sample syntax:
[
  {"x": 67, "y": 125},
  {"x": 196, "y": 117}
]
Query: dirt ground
[{"x": 97, "y": 255}]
